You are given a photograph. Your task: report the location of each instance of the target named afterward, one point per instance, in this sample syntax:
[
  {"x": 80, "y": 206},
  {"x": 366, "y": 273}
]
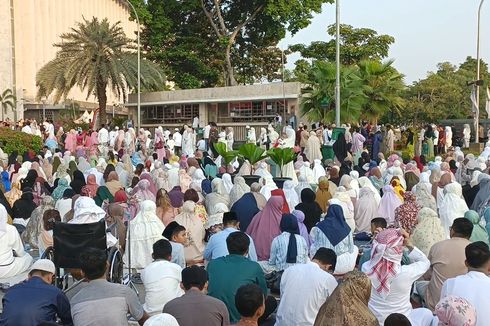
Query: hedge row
[{"x": 11, "y": 140}]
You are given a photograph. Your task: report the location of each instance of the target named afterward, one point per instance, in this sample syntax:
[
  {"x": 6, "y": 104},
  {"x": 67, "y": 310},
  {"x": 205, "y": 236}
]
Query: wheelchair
[{"x": 69, "y": 240}]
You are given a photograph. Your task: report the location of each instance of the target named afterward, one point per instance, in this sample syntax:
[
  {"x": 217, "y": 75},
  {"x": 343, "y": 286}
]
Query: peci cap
[{"x": 45, "y": 265}]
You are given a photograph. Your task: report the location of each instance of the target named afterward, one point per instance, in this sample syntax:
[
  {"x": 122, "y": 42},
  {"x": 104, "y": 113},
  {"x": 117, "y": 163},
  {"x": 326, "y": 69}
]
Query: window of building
[{"x": 174, "y": 113}]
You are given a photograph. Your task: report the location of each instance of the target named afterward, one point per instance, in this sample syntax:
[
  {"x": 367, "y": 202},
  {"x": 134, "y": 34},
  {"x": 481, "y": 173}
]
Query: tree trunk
[
  {"x": 229, "y": 71},
  {"x": 102, "y": 97}
]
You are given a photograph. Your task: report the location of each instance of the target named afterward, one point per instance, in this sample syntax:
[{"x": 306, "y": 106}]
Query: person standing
[
  {"x": 195, "y": 307},
  {"x": 304, "y": 138},
  {"x": 36, "y": 300},
  {"x": 473, "y": 286},
  {"x": 390, "y": 139},
  {"x": 302, "y": 297},
  {"x": 206, "y": 131},
  {"x": 377, "y": 142},
  {"x": 357, "y": 144},
  {"x": 177, "y": 138},
  {"x": 103, "y": 137}
]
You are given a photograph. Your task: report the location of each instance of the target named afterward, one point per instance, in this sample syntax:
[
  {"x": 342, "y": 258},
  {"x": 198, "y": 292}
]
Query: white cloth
[
  {"x": 63, "y": 206},
  {"x": 292, "y": 197},
  {"x": 11, "y": 243},
  {"x": 302, "y": 297},
  {"x": 308, "y": 173},
  {"x": 206, "y": 132},
  {"x": 103, "y": 136},
  {"x": 161, "y": 320},
  {"x": 162, "y": 280},
  {"x": 27, "y": 130},
  {"x": 452, "y": 206},
  {"x": 399, "y": 296},
  {"x": 188, "y": 142},
  {"x": 177, "y": 137},
  {"x": 318, "y": 171},
  {"x": 365, "y": 210},
  {"x": 227, "y": 183},
  {"x": 146, "y": 228},
  {"x": 473, "y": 286},
  {"x": 343, "y": 199}
]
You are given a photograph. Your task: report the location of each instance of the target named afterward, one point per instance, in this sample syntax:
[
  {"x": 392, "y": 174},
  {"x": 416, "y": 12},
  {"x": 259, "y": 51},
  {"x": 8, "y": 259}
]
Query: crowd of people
[{"x": 353, "y": 237}]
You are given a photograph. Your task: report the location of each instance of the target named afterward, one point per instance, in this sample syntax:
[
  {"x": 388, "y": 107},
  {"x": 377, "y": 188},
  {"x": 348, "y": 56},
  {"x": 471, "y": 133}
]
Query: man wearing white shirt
[
  {"x": 161, "y": 278},
  {"x": 195, "y": 123},
  {"x": 392, "y": 282},
  {"x": 305, "y": 288},
  {"x": 27, "y": 127},
  {"x": 103, "y": 137},
  {"x": 177, "y": 137},
  {"x": 112, "y": 136},
  {"x": 206, "y": 132},
  {"x": 474, "y": 286}
]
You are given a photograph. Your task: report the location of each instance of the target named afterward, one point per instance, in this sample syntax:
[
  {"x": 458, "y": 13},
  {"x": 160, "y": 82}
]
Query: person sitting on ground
[
  {"x": 391, "y": 281},
  {"x": 447, "y": 260},
  {"x": 101, "y": 302},
  {"x": 177, "y": 235},
  {"x": 13, "y": 258},
  {"x": 250, "y": 303},
  {"x": 305, "y": 287},
  {"x": 216, "y": 246},
  {"x": 473, "y": 286},
  {"x": 397, "y": 319},
  {"x": 227, "y": 274},
  {"x": 36, "y": 300},
  {"x": 195, "y": 307},
  {"x": 161, "y": 278}
]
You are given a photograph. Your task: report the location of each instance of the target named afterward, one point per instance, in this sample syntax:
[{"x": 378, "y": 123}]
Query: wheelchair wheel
[
  {"x": 59, "y": 279},
  {"x": 48, "y": 254},
  {"x": 115, "y": 272}
]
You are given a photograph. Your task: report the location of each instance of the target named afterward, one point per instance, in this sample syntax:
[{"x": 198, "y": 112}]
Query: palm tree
[
  {"x": 7, "y": 99},
  {"x": 383, "y": 86},
  {"x": 95, "y": 56},
  {"x": 318, "y": 97}
]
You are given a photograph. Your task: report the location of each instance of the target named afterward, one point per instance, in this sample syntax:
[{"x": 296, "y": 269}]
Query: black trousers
[{"x": 270, "y": 307}]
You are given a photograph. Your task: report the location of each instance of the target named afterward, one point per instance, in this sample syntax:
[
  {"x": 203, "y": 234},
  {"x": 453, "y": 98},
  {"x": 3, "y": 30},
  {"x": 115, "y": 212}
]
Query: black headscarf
[
  {"x": 310, "y": 208},
  {"x": 78, "y": 182},
  {"x": 245, "y": 209},
  {"x": 340, "y": 148},
  {"x": 289, "y": 223},
  {"x": 29, "y": 180},
  {"x": 24, "y": 206},
  {"x": 13, "y": 158}
]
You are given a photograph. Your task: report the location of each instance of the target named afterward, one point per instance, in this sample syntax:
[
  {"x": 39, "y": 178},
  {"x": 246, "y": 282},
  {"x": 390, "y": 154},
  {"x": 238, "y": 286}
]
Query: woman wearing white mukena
[{"x": 466, "y": 136}]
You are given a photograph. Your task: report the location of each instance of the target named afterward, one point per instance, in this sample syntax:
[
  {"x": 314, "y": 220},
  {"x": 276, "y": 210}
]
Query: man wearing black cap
[
  {"x": 217, "y": 247},
  {"x": 195, "y": 307}
]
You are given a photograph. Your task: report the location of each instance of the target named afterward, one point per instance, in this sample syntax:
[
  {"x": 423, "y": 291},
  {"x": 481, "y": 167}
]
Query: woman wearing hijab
[
  {"x": 334, "y": 233},
  {"x": 90, "y": 189},
  {"x": 285, "y": 206},
  {"x": 296, "y": 247},
  {"x": 483, "y": 194},
  {"x": 454, "y": 311},
  {"x": 340, "y": 148},
  {"x": 13, "y": 258},
  {"x": 310, "y": 208},
  {"x": 14, "y": 194},
  {"x": 33, "y": 227},
  {"x": 348, "y": 304},
  {"x": 479, "y": 233},
  {"x": 376, "y": 178},
  {"x": 255, "y": 190},
  {"x": 406, "y": 213},
  {"x": 312, "y": 149},
  {"x": 176, "y": 197},
  {"x": 22, "y": 209},
  {"x": 227, "y": 183},
  {"x": 219, "y": 195},
  {"x": 113, "y": 183},
  {"x": 452, "y": 206},
  {"x": 60, "y": 189},
  {"x": 142, "y": 191},
  {"x": 300, "y": 216},
  {"x": 194, "y": 249},
  {"x": 428, "y": 230},
  {"x": 323, "y": 195},
  {"x": 78, "y": 182},
  {"x": 239, "y": 189},
  {"x": 389, "y": 203},
  {"x": 344, "y": 200},
  {"x": 146, "y": 228},
  {"x": 424, "y": 197},
  {"x": 103, "y": 195},
  {"x": 290, "y": 194},
  {"x": 265, "y": 226},
  {"x": 245, "y": 209},
  {"x": 366, "y": 209}
]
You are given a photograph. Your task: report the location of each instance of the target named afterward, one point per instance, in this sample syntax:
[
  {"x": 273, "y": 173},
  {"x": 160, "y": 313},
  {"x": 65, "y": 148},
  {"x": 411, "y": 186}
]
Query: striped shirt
[{"x": 279, "y": 250}]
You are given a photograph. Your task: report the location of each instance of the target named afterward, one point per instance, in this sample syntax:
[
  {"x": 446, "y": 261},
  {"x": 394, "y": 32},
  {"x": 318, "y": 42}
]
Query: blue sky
[{"x": 426, "y": 31}]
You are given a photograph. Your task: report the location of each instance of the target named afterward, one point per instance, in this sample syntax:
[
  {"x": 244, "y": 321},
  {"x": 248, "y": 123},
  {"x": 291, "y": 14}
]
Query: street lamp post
[
  {"x": 139, "y": 65},
  {"x": 337, "y": 59},
  {"x": 478, "y": 59}
]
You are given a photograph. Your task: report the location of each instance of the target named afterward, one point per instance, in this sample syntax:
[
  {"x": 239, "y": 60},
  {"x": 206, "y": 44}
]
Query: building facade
[
  {"x": 28, "y": 30},
  {"x": 237, "y": 106}
]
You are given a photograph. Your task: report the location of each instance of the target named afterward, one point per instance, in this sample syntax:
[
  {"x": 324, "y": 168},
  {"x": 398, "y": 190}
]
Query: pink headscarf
[
  {"x": 455, "y": 311},
  {"x": 149, "y": 178},
  {"x": 389, "y": 202},
  {"x": 386, "y": 256},
  {"x": 410, "y": 167},
  {"x": 142, "y": 191},
  {"x": 265, "y": 226}
]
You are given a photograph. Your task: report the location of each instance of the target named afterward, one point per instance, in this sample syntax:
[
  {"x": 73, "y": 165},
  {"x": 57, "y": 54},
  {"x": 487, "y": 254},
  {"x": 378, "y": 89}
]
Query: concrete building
[
  {"x": 28, "y": 30},
  {"x": 237, "y": 106}
]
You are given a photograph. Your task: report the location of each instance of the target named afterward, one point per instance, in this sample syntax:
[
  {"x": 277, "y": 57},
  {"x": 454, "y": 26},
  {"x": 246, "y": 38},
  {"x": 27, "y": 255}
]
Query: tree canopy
[{"x": 95, "y": 56}]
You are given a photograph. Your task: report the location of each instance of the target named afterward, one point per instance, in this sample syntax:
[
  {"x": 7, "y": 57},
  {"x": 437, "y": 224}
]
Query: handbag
[{"x": 273, "y": 281}]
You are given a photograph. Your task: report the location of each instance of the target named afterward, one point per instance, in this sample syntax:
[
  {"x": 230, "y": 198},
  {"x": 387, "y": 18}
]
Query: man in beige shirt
[
  {"x": 304, "y": 137},
  {"x": 447, "y": 260}
]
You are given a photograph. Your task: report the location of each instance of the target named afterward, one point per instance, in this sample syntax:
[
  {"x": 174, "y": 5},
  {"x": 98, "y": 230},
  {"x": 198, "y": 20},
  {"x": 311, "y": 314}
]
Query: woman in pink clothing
[{"x": 71, "y": 141}]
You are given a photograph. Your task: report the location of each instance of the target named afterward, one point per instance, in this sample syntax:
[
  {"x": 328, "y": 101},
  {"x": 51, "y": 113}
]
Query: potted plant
[
  {"x": 228, "y": 156},
  {"x": 253, "y": 154},
  {"x": 281, "y": 156}
]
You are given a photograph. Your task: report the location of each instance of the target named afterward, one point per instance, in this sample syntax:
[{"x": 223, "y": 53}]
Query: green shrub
[{"x": 21, "y": 142}]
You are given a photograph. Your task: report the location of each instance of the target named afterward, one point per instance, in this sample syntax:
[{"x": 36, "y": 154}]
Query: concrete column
[{"x": 203, "y": 114}]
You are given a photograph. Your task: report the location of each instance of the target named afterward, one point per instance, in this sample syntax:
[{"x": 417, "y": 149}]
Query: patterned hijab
[
  {"x": 386, "y": 256},
  {"x": 455, "y": 311},
  {"x": 348, "y": 304},
  {"x": 428, "y": 231},
  {"x": 406, "y": 213}
]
